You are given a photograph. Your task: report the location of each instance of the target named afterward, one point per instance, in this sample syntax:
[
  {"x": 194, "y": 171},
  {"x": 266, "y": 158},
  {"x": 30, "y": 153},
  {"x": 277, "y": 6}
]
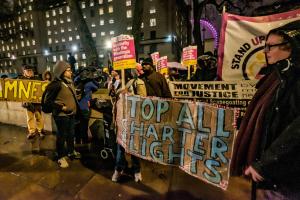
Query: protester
[
  {"x": 72, "y": 61},
  {"x": 134, "y": 86},
  {"x": 86, "y": 85},
  {"x": 47, "y": 76},
  {"x": 156, "y": 84},
  {"x": 35, "y": 122},
  {"x": 268, "y": 142},
  {"x": 65, "y": 107}
]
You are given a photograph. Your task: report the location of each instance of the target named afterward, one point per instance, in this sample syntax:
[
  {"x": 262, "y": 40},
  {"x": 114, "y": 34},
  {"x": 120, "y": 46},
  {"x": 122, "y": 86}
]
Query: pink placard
[
  {"x": 123, "y": 52},
  {"x": 155, "y": 57}
]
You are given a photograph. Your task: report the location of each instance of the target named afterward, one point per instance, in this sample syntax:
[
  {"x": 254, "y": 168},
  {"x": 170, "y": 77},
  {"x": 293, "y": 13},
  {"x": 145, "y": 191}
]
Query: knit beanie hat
[{"x": 59, "y": 68}]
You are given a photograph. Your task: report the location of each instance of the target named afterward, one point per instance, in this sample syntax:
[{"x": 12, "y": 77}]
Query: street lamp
[
  {"x": 108, "y": 44},
  {"x": 74, "y": 48},
  {"x": 46, "y": 52}
]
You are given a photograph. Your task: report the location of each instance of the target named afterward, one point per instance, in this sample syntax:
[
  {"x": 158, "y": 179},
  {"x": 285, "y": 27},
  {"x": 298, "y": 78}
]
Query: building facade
[{"x": 41, "y": 37}]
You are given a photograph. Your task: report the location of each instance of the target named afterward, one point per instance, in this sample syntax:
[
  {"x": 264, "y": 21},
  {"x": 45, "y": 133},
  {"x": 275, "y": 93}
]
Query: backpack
[{"x": 49, "y": 96}]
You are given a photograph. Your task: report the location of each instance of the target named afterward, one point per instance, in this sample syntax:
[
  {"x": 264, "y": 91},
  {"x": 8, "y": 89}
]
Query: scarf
[{"x": 247, "y": 143}]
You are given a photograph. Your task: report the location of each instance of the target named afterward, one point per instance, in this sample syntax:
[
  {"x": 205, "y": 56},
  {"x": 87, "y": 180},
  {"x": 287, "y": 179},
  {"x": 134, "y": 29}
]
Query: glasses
[{"x": 269, "y": 46}]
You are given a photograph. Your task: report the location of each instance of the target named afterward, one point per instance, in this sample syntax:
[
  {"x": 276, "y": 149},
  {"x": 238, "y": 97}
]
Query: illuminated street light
[
  {"x": 46, "y": 52},
  {"x": 74, "y": 48},
  {"x": 108, "y": 44},
  {"x": 169, "y": 38}
]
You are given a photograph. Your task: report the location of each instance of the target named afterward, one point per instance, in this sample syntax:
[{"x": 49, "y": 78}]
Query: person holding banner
[
  {"x": 268, "y": 142},
  {"x": 35, "y": 121},
  {"x": 135, "y": 86}
]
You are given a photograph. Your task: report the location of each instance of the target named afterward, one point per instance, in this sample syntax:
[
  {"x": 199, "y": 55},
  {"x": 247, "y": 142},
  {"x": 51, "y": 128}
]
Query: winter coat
[{"x": 279, "y": 160}]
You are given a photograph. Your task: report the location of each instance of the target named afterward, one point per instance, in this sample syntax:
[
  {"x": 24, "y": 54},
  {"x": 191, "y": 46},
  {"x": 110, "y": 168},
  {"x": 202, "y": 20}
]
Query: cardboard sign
[
  {"x": 196, "y": 137},
  {"x": 123, "y": 52},
  {"x": 155, "y": 57},
  {"x": 189, "y": 55},
  {"x": 242, "y": 41},
  {"x": 22, "y": 90},
  {"x": 228, "y": 93},
  {"x": 162, "y": 65}
]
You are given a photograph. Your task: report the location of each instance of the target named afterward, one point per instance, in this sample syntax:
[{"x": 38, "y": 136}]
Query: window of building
[
  {"x": 54, "y": 58},
  {"x": 61, "y": 21},
  {"x": 101, "y": 22},
  {"x": 101, "y": 56},
  {"x": 83, "y": 56},
  {"x": 152, "y": 10},
  {"x": 93, "y": 25},
  {"x": 152, "y": 35},
  {"x": 63, "y": 39},
  {"x": 56, "y": 41},
  {"x": 83, "y": 4},
  {"x": 62, "y": 30},
  {"x": 77, "y": 37},
  {"x": 128, "y": 14},
  {"x": 111, "y": 21},
  {"x": 91, "y": 3},
  {"x": 49, "y": 32},
  {"x": 84, "y": 16},
  {"x": 142, "y": 36},
  {"x": 60, "y": 11},
  {"x": 129, "y": 28},
  {"x": 142, "y": 25},
  {"x": 61, "y": 57},
  {"x": 27, "y": 43},
  {"x": 53, "y": 13},
  {"x": 102, "y": 33},
  {"x": 21, "y": 36},
  {"x": 33, "y": 42},
  {"x": 111, "y": 32},
  {"x": 110, "y": 9},
  {"x": 31, "y": 24},
  {"x": 109, "y": 0},
  {"x": 128, "y": 2},
  {"x": 101, "y": 11},
  {"x": 54, "y": 22},
  {"x": 29, "y": 7},
  {"x": 69, "y": 29},
  {"x": 70, "y": 38},
  {"x": 153, "y": 22},
  {"x": 48, "y": 23},
  {"x": 22, "y": 44},
  {"x": 57, "y": 48},
  {"x": 67, "y": 8},
  {"x": 100, "y": 2},
  {"x": 68, "y": 19},
  {"x": 94, "y": 35},
  {"x": 92, "y": 13},
  {"x": 153, "y": 48}
]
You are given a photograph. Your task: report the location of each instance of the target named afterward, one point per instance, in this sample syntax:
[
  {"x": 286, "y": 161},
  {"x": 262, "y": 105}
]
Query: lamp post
[{"x": 108, "y": 46}]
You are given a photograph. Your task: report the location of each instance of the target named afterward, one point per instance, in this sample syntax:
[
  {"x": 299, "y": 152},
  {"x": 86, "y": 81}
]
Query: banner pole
[
  {"x": 189, "y": 72},
  {"x": 123, "y": 78}
]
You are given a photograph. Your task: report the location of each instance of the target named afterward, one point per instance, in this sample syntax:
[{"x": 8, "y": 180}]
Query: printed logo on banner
[{"x": 242, "y": 41}]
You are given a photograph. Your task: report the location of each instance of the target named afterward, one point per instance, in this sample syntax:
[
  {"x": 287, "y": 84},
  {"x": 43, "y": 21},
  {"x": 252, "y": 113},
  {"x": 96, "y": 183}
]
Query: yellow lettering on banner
[
  {"x": 34, "y": 89},
  {"x": 22, "y": 90},
  {"x": 10, "y": 86}
]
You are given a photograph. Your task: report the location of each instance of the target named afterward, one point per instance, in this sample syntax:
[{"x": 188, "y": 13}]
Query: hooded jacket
[{"x": 63, "y": 90}]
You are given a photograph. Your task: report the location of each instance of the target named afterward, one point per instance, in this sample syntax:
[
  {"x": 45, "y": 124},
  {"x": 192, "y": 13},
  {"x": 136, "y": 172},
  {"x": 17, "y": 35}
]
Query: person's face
[
  {"x": 47, "y": 77},
  {"x": 147, "y": 68},
  {"x": 276, "y": 49},
  {"x": 28, "y": 73},
  {"x": 68, "y": 73},
  {"x": 114, "y": 73}
]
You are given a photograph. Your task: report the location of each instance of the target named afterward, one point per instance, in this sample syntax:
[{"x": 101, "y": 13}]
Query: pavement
[{"x": 24, "y": 176}]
